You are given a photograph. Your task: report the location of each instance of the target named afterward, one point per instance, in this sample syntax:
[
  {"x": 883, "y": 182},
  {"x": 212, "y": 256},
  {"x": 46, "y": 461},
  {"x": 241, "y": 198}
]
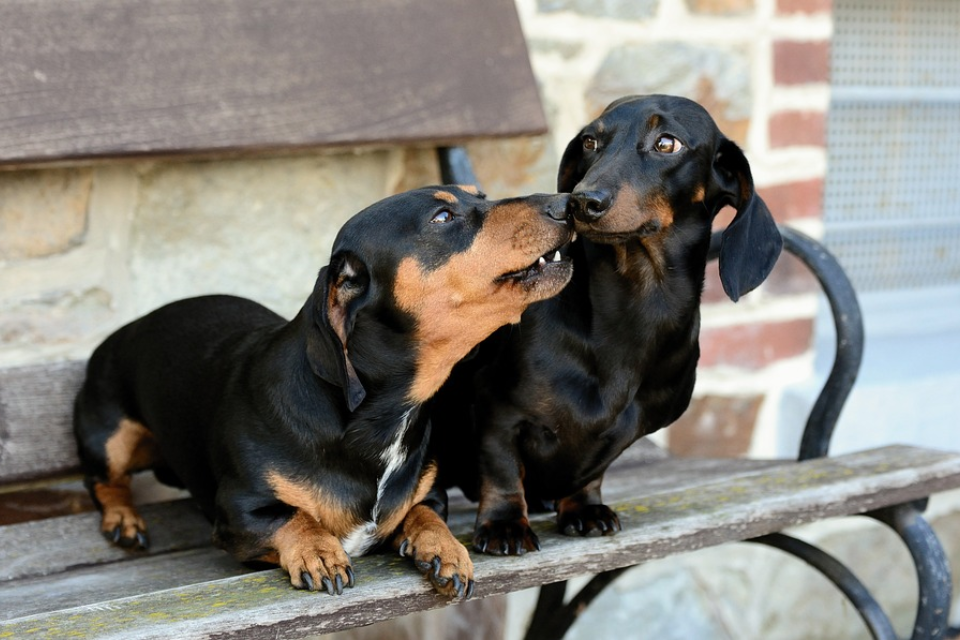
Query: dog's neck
[{"x": 658, "y": 279}]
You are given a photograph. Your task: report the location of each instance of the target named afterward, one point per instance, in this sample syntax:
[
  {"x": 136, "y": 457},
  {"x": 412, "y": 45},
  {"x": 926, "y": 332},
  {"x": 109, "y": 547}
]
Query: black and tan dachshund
[
  {"x": 612, "y": 358},
  {"x": 305, "y": 442}
]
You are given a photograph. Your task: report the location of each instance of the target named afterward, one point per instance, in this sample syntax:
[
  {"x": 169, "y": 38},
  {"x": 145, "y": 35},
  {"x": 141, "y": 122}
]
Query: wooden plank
[
  {"x": 103, "y": 583},
  {"x": 36, "y": 433},
  {"x": 261, "y": 605},
  {"x": 110, "y": 78},
  {"x": 36, "y": 548},
  {"x": 33, "y": 549}
]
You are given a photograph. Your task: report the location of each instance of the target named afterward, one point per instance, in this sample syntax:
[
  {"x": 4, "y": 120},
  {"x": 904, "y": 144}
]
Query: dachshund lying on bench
[{"x": 306, "y": 441}]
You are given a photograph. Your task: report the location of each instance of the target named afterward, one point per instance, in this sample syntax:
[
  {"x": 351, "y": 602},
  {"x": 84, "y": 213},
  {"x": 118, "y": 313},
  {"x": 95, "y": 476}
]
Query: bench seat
[{"x": 186, "y": 588}]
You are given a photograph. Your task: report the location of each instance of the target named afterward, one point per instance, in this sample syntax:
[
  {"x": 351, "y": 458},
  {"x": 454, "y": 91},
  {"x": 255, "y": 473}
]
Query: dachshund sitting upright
[
  {"x": 612, "y": 358},
  {"x": 306, "y": 441}
]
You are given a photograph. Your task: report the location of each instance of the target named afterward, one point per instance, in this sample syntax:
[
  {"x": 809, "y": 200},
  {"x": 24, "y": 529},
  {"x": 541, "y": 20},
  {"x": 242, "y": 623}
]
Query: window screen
[{"x": 892, "y": 195}]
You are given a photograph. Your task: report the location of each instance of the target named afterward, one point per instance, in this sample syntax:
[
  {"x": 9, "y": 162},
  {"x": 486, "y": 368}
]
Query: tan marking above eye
[
  {"x": 469, "y": 188},
  {"x": 445, "y": 196}
]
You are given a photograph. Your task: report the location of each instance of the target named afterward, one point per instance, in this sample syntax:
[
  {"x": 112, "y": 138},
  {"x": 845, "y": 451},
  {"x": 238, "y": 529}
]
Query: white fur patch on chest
[{"x": 362, "y": 538}]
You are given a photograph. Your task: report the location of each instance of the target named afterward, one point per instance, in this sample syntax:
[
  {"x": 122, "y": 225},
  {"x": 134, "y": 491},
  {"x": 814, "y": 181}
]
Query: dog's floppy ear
[
  {"x": 570, "y": 171},
  {"x": 341, "y": 291},
  {"x": 751, "y": 244}
]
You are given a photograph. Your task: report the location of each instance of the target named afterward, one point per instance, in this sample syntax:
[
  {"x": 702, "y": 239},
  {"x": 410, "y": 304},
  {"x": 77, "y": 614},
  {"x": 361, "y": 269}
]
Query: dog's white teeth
[
  {"x": 541, "y": 262},
  {"x": 556, "y": 257}
]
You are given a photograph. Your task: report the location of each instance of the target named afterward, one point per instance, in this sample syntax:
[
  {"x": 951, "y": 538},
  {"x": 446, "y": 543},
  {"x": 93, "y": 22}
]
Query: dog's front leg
[
  {"x": 312, "y": 556},
  {"x": 583, "y": 513},
  {"x": 287, "y": 536},
  {"x": 424, "y": 536},
  {"x": 503, "y": 526}
]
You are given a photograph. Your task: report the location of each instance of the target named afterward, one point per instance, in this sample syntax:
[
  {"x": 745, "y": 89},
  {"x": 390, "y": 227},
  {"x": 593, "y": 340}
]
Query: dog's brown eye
[
  {"x": 441, "y": 217},
  {"x": 589, "y": 143},
  {"x": 668, "y": 144}
]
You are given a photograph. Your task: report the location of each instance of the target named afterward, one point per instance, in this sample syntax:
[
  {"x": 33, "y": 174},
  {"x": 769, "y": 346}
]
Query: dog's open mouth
[{"x": 554, "y": 263}]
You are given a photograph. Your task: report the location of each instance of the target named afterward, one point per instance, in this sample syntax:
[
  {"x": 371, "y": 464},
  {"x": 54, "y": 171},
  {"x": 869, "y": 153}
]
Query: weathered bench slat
[
  {"x": 104, "y": 78},
  {"x": 690, "y": 517},
  {"x": 179, "y": 525},
  {"x": 25, "y": 548},
  {"x": 103, "y": 583},
  {"x": 36, "y": 436}
]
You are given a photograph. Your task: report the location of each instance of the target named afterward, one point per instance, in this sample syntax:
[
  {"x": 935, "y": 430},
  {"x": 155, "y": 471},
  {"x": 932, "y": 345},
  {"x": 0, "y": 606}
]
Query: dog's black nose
[
  {"x": 589, "y": 206},
  {"x": 558, "y": 207}
]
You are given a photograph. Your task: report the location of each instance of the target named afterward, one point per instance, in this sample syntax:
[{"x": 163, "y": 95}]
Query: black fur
[
  {"x": 612, "y": 358},
  {"x": 225, "y": 395}
]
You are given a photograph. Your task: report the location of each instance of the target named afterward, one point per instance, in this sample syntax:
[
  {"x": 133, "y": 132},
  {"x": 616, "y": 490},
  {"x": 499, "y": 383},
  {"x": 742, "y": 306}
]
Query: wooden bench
[{"x": 241, "y": 76}]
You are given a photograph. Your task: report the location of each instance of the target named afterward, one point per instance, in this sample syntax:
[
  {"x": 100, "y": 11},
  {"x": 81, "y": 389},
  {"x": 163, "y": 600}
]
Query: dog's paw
[
  {"x": 318, "y": 564},
  {"x": 123, "y": 526},
  {"x": 441, "y": 559},
  {"x": 505, "y": 537},
  {"x": 588, "y": 520}
]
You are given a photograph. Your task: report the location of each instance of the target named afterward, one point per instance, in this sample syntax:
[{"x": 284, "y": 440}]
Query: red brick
[
  {"x": 798, "y": 128},
  {"x": 797, "y": 62},
  {"x": 753, "y": 346},
  {"x": 793, "y": 200},
  {"x": 715, "y": 426},
  {"x": 804, "y": 6}
]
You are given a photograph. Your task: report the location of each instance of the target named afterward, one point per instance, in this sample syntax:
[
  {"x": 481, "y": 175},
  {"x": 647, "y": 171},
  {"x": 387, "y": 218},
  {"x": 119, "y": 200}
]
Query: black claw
[
  {"x": 113, "y": 536},
  {"x": 327, "y": 584},
  {"x": 436, "y": 567},
  {"x": 480, "y": 545},
  {"x": 339, "y": 584},
  {"x": 423, "y": 566},
  {"x": 307, "y": 581},
  {"x": 458, "y": 585},
  {"x": 142, "y": 540},
  {"x": 471, "y": 585},
  {"x": 403, "y": 548},
  {"x": 351, "y": 579}
]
